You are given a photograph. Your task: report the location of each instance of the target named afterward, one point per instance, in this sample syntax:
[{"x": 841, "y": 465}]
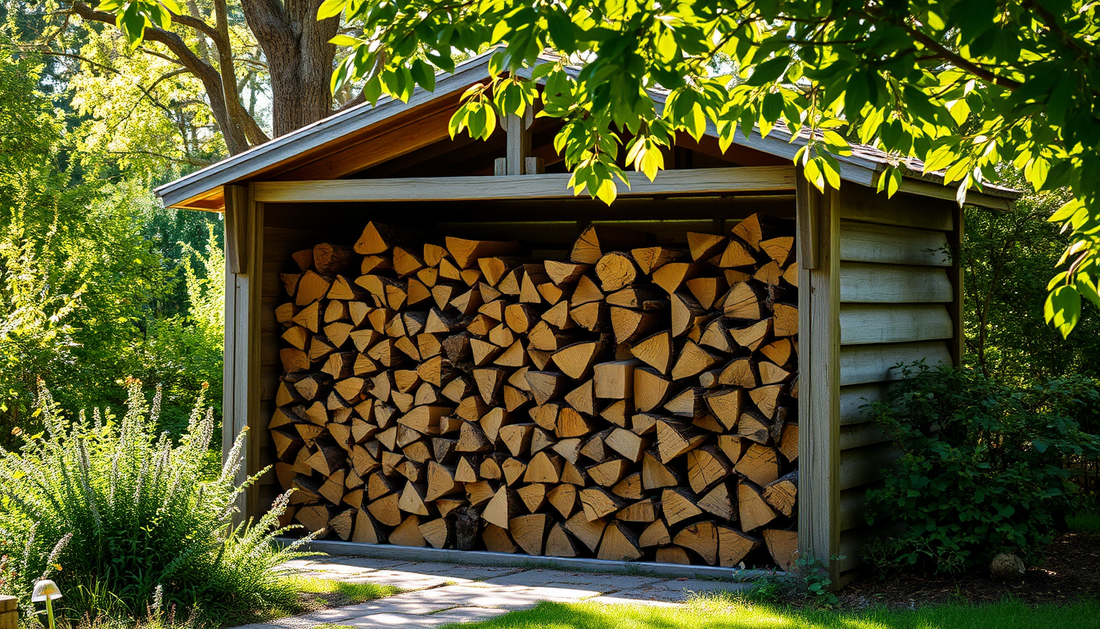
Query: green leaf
[
  {"x": 344, "y": 40},
  {"x": 607, "y": 190},
  {"x": 831, "y": 169},
  {"x": 561, "y": 29},
  {"x": 424, "y": 75},
  {"x": 1063, "y": 309},
  {"x": 814, "y": 173},
  {"x": 330, "y": 8},
  {"x": 770, "y": 70}
]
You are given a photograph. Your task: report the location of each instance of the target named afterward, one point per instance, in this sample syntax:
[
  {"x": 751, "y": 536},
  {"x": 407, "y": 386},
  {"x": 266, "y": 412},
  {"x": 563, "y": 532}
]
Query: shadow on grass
[{"x": 724, "y": 614}]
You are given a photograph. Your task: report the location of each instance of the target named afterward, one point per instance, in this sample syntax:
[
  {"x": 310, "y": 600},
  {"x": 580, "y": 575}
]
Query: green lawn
[
  {"x": 719, "y": 614},
  {"x": 345, "y": 593}
]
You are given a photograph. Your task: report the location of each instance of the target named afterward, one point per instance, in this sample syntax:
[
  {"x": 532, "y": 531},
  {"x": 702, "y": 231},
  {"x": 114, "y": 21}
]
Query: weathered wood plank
[
  {"x": 851, "y": 508},
  {"x": 818, "y": 400},
  {"x": 885, "y": 283},
  {"x": 552, "y": 185},
  {"x": 853, "y": 398},
  {"x": 863, "y": 466},
  {"x": 888, "y": 244},
  {"x": 903, "y": 210},
  {"x": 859, "y": 435},
  {"x": 860, "y": 364},
  {"x": 862, "y": 324}
]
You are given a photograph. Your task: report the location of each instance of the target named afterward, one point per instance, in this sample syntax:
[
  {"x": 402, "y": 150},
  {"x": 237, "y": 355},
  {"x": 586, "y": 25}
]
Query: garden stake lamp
[{"x": 46, "y": 590}]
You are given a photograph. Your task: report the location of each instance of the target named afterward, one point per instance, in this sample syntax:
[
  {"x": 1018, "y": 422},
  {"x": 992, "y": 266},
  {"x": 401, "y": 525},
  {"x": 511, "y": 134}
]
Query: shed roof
[{"x": 202, "y": 188}]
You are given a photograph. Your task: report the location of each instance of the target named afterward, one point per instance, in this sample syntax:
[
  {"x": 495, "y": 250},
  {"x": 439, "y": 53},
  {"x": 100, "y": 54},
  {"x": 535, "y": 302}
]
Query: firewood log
[
  {"x": 678, "y": 506},
  {"x": 783, "y": 547},
  {"x": 734, "y": 546},
  {"x": 759, "y": 464},
  {"x": 619, "y": 544},
  {"x": 655, "y": 351},
  {"x": 753, "y": 511},
  {"x": 435, "y": 532},
  {"x": 782, "y": 494},
  {"x": 650, "y": 259},
  {"x": 559, "y": 543},
  {"x": 529, "y": 532},
  {"x": 533, "y": 496},
  {"x": 595, "y": 240},
  {"x": 718, "y": 502},
  {"x": 615, "y": 270},
  {"x": 706, "y": 466},
  {"x": 583, "y": 398},
  {"x": 576, "y": 360},
  {"x": 702, "y": 538},
  {"x": 673, "y": 555}
]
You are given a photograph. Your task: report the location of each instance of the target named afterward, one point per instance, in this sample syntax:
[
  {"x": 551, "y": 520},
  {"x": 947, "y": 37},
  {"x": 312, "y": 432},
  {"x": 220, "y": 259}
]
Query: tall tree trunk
[{"x": 299, "y": 59}]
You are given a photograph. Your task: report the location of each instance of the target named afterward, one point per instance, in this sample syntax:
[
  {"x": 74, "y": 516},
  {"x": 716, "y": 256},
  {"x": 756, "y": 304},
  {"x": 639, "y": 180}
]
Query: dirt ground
[{"x": 1070, "y": 570}]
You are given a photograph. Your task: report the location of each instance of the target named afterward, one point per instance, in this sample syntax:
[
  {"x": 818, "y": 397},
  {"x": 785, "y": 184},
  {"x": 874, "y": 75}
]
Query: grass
[
  {"x": 317, "y": 593},
  {"x": 1084, "y": 522},
  {"x": 725, "y": 613}
]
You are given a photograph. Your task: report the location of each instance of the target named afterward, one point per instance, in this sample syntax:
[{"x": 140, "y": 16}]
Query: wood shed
[{"x": 438, "y": 344}]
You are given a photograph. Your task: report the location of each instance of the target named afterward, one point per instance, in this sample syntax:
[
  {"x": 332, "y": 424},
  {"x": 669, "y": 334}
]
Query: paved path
[{"x": 436, "y": 594}]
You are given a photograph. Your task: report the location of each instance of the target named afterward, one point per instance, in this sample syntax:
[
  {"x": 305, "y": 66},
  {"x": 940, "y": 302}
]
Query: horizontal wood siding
[
  {"x": 865, "y": 283},
  {"x": 886, "y": 244},
  {"x": 862, "y": 364},
  {"x": 854, "y": 398},
  {"x": 897, "y": 290},
  {"x": 864, "y": 324}
]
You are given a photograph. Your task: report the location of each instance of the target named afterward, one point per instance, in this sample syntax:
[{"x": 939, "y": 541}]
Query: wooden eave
[{"x": 366, "y": 136}]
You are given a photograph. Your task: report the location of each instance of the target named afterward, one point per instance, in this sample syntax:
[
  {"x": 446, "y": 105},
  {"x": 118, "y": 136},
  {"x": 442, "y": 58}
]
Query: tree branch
[
  {"x": 211, "y": 79},
  {"x": 959, "y": 61}
]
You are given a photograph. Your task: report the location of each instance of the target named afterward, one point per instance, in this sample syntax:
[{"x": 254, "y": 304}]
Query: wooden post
[
  {"x": 819, "y": 380},
  {"x": 240, "y": 405},
  {"x": 519, "y": 141},
  {"x": 9, "y": 612}
]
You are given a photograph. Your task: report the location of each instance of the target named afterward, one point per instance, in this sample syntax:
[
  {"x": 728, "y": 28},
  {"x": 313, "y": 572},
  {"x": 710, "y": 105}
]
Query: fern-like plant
[{"x": 143, "y": 514}]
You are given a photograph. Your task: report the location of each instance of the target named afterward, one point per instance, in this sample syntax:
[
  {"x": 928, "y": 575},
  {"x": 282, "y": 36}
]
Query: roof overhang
[{"x": 202, "y": 189}]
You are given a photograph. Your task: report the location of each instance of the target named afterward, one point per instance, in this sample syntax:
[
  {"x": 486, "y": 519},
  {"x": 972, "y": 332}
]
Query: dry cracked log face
[{"x": 626, "y": 402}]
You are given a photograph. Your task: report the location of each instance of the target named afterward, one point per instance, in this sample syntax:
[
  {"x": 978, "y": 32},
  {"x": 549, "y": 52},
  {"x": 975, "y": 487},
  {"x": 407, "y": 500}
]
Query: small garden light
[{"x": 46, "y": 590}]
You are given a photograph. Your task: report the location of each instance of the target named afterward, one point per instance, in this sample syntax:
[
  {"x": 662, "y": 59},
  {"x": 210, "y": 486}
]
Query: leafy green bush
[
  {"x": 143, "y": 516},
  {"x": 983, "y": 468}
]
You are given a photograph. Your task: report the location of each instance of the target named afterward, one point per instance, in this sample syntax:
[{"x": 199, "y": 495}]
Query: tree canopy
[{"x": 963, "y": 85}]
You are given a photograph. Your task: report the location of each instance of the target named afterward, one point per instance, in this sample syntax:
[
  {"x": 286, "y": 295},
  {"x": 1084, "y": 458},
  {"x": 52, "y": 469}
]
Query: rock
[{"x": 1007, "y": 567}]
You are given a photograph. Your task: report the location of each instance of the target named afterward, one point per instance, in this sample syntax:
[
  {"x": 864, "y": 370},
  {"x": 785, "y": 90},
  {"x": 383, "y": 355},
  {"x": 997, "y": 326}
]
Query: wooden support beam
[
  {"x": 519, "y": 141},
  {"x": 703, "y": 181},
  {"x": 241, "y": 366},
  {"x": 805, "y": 198},
  {"x": 819, "y": 394},
  {"x": 236, "y": 227}
]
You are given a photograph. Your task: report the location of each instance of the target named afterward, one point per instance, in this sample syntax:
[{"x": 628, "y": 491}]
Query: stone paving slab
[
  {"x": 366, "y": 563},
  {"x": 400, "y": 579},
  {"x": 603, "y": 583},
  {"x": 459, "y": 572},
  {"x": 435, "y": 594},
  {"x": 466, "y": 614}
]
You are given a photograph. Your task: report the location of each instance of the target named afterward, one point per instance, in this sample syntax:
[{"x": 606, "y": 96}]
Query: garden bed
[{"x": 1070, "y": 571}]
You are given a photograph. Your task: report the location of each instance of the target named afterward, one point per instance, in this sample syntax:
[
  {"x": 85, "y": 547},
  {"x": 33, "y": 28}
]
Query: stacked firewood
[{"x": 635, "y": 402}]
